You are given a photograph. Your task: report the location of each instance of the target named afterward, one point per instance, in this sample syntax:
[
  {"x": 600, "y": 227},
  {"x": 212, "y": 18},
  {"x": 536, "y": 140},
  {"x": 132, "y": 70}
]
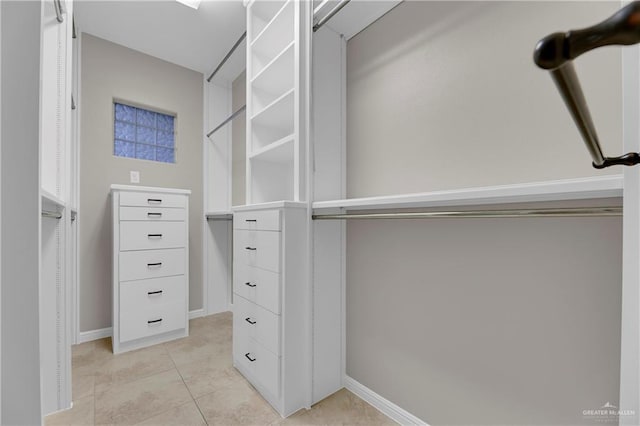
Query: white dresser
[
  {"x": 150, "y": 265},
  {"x": 271, "y": 304}
]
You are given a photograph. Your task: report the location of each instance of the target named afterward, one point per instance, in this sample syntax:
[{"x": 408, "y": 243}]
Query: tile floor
[{"x": 190, "y": 381}]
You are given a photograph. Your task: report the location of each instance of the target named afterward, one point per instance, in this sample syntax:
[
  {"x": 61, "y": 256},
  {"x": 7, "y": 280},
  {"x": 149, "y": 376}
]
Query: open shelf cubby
[
  {"x": 275, "y": 79},
  {"x": 277, "y": 35},
  {"x": 280, "y": 151},
  {"x": 263, "y": 13},
  {"x": 272, "y": 181},
  {"x": 273, "y": 122}
]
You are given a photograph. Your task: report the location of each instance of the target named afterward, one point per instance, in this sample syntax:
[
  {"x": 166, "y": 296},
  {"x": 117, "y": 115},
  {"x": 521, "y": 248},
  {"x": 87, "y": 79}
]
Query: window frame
[{"x": 140, "y": 106}]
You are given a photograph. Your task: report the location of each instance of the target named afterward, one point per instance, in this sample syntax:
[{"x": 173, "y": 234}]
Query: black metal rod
[
  {"x": 568, "y": 85},
  {"x": 329, "y": 15},
  {"x": 226, "y": 58},
  {"x": 556, "y": 52},
  {"x": 228, "y": 119}
]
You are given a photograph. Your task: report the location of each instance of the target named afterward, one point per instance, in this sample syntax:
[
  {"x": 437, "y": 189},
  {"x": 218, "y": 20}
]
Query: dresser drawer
[
  {"x": 152, "y": 213},
  {"x": 145, "y": 294},
  {"x": 152, "y": 235},
  {"x": 153, "y": 199},
  {"x": 257, "y": 248},
  {"x": 261, "y": 325},
  {"x": 258, "y": 286},
  {"x": 259, "y": 362},
  {"x": 144, "y": 264},
  {"x": 149, "y": 307},
  {"x": 152, "y": 321},
  {"x": 264, "y": 220}
]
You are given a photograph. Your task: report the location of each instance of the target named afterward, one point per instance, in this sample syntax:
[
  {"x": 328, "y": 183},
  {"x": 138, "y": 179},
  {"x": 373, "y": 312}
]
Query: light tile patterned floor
[{"x": 190, "y": 381}]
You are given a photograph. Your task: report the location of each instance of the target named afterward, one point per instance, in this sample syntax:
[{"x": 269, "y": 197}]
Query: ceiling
[{"x": 195, "y": 39}]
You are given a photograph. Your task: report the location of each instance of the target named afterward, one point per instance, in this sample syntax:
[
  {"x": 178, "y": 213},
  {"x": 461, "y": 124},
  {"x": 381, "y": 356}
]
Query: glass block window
[{"x": 143, "y": 134}]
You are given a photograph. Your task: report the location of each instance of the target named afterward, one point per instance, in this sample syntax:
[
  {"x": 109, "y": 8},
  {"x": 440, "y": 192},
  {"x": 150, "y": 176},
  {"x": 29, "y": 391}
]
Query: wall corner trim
[{"x": 385, "y": 406}]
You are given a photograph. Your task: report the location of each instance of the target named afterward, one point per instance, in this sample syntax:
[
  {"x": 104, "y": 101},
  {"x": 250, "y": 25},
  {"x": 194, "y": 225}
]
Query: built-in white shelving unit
[{"x": 275, "y": 153}]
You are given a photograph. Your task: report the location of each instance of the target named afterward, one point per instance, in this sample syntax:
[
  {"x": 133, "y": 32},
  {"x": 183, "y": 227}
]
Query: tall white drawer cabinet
[
  {"x": 150, "y": 265},
  {"x": 271, "y": 302}
]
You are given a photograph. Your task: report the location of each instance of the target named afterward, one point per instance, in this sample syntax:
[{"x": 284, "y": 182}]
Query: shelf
[
  {"x": 263, "y": 13},
  {"x": 277, "y": 34},
  {"x": 278, "y": 113},
  {"x": 281, "y": 204},
  {"x": 569, "y": 189},
  {"x": 219, "y": 215},
  {"x": 277, "y": 76},
  {"x": 277, "y": 152},
  {"x": 52, "y": 200}
]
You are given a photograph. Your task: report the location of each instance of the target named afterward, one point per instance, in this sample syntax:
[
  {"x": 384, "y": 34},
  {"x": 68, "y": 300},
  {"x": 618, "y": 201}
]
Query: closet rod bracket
[{"x": 556, "y": 52}]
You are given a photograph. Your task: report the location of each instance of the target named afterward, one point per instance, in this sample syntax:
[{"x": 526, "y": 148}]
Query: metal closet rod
[
  {"x": 329, "y": 15},
  {"x": 57, "y": 4},
  {"x": 514, "y": 213},
  {"x": 52, "y": 215},
  {"x": 555, "y": 54},
  {"x": 226, "y": 58},
  {"x": 228, "y": 119}
]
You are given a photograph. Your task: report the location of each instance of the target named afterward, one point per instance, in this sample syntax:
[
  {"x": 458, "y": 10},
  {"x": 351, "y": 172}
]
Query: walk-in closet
[{"x": 331, "y": 212}]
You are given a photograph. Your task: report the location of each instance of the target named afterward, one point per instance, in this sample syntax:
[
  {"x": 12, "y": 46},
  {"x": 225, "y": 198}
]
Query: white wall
[
  {"x": 110, "y": 71},
  {"x": 479, "y": 321},
  {"x": 20, "y": 214},
  {"x": 444, "y": 95}
]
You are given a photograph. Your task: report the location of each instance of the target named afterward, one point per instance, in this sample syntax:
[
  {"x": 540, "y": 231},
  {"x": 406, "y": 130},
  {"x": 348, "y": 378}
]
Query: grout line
[{"x": 188, "y": 390}]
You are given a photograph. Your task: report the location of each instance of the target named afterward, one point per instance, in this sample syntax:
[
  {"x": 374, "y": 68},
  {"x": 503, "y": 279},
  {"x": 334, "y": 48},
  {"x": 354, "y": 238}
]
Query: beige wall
[
  {"x": 238, "y": 142},
  {"x": 110, "y": 71},
  {"x": 444, "y": 95},
  {"x": 479, "y": 321}
]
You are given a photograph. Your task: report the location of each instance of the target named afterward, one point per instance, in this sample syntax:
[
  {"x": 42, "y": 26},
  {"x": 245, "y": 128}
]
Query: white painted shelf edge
[
  {"x": 268, "y": 25},
  {"x": 270, "y": 152},
  {"x": 271, "y": 205},
  {"x": 118, "y": 187},
  {"x": 50, "y": 199},
  {"x": 266, "y": 68},
  {"x": 273, "y": 103},
  {"x": 568, "y": 189},
  {"x": 219, "y": 214}
]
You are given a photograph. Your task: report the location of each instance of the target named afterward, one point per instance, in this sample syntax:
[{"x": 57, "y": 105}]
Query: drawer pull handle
[
  {"x": 154, "y": 214},
  {"x": 149, "y": 265},
  {"x": 250, "y": 220},
  {"x": 154, "y": 235},
  {"x": 251, "y": 248},
  {"x": 249, "y": 284},
  {"x": 248, "y": 319},
  {"x": 154, "y": 200},
  {"x": 150, "y": 293},
  {"x": 248, "y": 357},
  {"x": 154, "y": 321}
]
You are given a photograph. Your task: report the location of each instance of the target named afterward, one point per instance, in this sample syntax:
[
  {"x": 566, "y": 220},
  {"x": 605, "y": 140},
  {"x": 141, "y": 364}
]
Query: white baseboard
[
  {"x": 88, "y": 336},
  {"x": 196, "y": 313},
  {"x": 385, "y": 406}
]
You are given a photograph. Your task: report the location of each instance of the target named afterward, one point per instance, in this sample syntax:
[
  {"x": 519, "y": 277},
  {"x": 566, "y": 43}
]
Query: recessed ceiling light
[{"x": 191, "y": 3}]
